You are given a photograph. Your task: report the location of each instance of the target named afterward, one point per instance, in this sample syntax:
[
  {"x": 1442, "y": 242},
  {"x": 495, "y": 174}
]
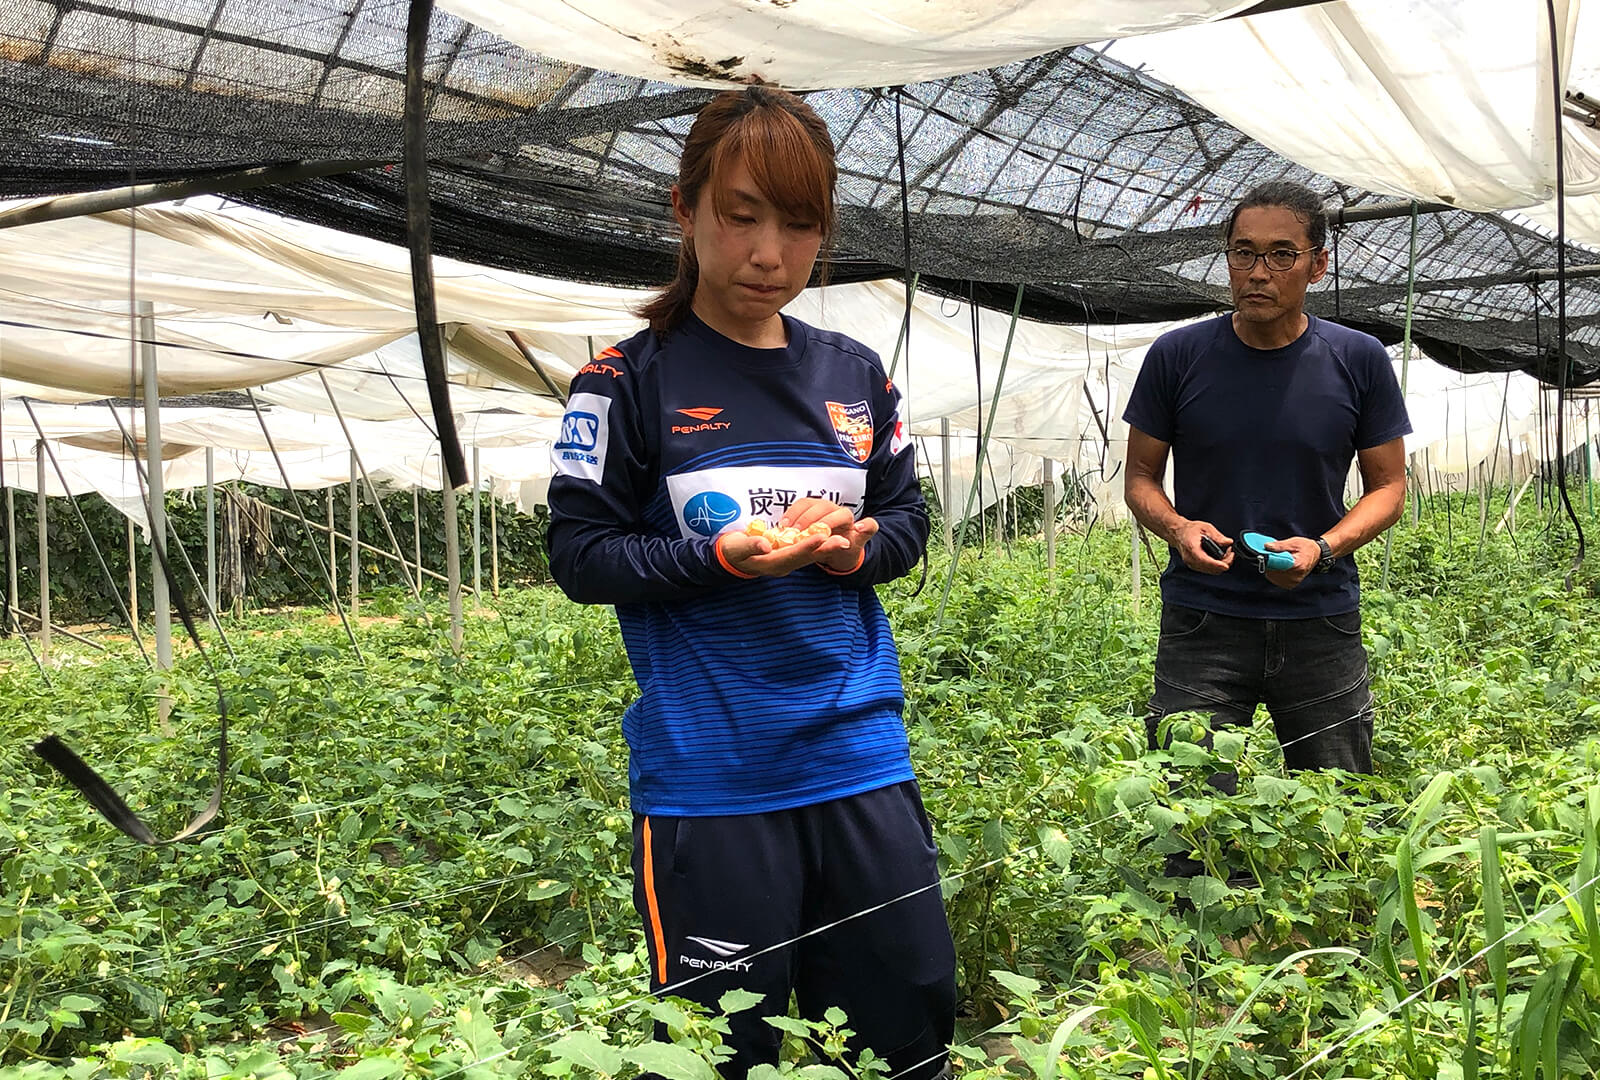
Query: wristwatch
[{"x": 1325, "y": 563}]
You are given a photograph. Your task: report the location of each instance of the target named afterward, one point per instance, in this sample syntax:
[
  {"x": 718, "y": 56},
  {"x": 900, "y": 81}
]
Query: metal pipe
[
  {"x": 355, "y": 536},
  {"x": 538, "y": 369},
  {"x": 161, "y": 597},
  {"x": 477, "y": 530},
  {"x": 452, "y": 557},
  {"x": 415, "y": 583},
  {"x": 212, "y": 183},
  {"x": 211, "y": 528},
  {"x": 44, "y": 560}
]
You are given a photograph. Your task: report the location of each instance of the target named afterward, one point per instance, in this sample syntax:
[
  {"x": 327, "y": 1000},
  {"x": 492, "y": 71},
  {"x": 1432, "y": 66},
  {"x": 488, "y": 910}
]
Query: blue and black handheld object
[
  {"x": 1256, "y": 543},
  {"x": 1212, "y": 548}
]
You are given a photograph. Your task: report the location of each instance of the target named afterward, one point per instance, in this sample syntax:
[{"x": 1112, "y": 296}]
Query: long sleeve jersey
[{"x": 755, "y": 694}]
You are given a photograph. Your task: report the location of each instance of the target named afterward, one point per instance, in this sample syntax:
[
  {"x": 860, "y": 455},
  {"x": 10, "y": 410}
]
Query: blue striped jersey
[{"x": 754, "y": 694}]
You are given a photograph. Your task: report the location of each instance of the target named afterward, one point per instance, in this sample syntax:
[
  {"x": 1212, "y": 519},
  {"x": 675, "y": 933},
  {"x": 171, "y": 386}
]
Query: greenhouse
[{"x": 314, "y": 768}]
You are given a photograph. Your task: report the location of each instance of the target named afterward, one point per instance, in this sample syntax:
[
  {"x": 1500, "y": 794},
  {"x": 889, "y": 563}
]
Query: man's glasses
[{"x": 1242, "y": 258}]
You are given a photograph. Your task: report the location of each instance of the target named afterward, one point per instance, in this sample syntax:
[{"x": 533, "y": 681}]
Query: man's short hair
[{"x": 1300, "y": 200}]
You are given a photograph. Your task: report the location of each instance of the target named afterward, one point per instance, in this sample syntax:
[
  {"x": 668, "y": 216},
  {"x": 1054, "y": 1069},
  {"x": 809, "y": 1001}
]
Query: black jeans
[{"x": 1310, "y": 673}]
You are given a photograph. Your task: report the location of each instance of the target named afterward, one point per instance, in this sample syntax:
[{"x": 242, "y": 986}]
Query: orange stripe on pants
[{"x": 653, "y": 907}]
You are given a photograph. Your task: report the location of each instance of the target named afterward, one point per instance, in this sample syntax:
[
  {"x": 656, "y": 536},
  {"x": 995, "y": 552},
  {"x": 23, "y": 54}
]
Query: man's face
[{"x": 1263, "y": 295}]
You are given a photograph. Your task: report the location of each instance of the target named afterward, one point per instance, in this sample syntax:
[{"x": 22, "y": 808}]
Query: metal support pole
[
  {"x": 452, "y": 557},
  {"x": 133, "y": 583},
  {"x": 333, "y": 547},
  {"x": 355, "y": 536},
  {"x": 947, "y": 489},
  {"x": 1405, "y": 366},
  {"x": 122, "y": 198},
  {"x": 11, "y": 552},
  {"x": 983, "y": 446},
  {"x": 44, "y": 561},
  {"x": 477, "y": 531},
  {"x": 1050, "y": 520},
  {"x": 494, "y": 547},
  {"x": 211, "y": 528},
  {"x": 161, "y": 598}
]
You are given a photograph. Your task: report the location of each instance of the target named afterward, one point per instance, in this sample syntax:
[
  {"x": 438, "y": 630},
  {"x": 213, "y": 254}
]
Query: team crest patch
[{"x": 853, "y": 424}]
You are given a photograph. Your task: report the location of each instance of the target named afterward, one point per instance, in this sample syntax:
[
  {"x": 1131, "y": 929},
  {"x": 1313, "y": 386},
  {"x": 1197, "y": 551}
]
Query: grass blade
[
  {"x": 1494, "y": 916},
  {"x": 1469, "y": 1049},
  {"x": 1408, "y": 906}
]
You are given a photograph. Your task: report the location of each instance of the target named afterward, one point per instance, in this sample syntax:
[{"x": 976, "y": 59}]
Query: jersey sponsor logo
[
  {"x": 709, "y": 512},
  {"x": 759, "y": 491},
  {"x": 610, "y": 353},
  {"x": 580, "y": 450},
  {"x": 707, "y": 418},
  {"x": 579, "y": 431},
  {"x": 852, "y": 423},
  {"x": 598, "y": 368}
]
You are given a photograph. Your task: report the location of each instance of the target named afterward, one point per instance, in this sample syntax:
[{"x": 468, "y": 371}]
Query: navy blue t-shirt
[{"x": 1262, "y": 440}]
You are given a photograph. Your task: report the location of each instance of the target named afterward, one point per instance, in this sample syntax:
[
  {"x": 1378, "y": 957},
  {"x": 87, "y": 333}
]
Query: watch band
[{"x": 1326, "y": 562}]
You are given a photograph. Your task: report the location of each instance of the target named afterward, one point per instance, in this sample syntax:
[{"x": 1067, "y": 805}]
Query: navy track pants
[{"x": 790, "y": 901}]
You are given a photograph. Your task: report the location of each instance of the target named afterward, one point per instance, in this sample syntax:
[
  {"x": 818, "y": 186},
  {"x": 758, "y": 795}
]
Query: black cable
[
  {"x": 1561, "y": 291},
  {"x": 419, "y": 237}
]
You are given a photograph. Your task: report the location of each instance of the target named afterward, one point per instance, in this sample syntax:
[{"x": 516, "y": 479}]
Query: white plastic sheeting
[
  {"x": 812, "y": 44},
  {"x": 241, "y": 297},
  {"x": 1442, "y": 100}
]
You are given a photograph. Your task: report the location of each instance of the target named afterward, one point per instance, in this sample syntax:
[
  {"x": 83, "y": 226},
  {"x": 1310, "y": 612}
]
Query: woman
[{"x": 769, "y": 772}]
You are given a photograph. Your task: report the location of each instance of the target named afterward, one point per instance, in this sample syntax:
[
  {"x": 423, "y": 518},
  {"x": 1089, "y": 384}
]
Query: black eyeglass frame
[{"x": 1263, "y": 256}]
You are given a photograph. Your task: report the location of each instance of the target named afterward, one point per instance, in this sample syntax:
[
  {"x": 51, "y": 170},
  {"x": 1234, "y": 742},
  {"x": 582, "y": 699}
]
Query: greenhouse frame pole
[
  {"x": 11, "y": 557},
  {"x": 452, "y": 556},
  {"x": 415, "y": 583},
  {"x": 211, "y": 528},
  {"x": 1405, "y": 365},
  {"x": 305, "y": 527},
  {"x": 1588, "y": 456},
  {"x": 333, "y": 547},
  {"x": 133, "y": 583},
  {"x": 1050, "y": 520},
  {"x": 494, "y": 548},
  {"x": 355, "y": 535},
  {"x": 477, "y": 530},
  {"x": 947, "y": 490},
  {"x": 983, "y": 445},
  {"x": 416, "y": 529},
  {"x": 44, "y": 559},
  {"x": 155, "y": 479},
  {"x": 88, "y": 533}
]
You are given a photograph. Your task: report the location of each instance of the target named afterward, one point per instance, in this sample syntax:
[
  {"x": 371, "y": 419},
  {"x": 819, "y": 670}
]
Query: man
[{"x": 1262, "y": 411}]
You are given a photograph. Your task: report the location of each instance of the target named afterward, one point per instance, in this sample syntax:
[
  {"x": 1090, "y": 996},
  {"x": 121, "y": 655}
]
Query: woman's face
[{"x": 753, "y": 261}]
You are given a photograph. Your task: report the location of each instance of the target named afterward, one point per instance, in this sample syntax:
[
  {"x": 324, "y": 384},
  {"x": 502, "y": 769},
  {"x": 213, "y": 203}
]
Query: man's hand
[
  {"x": 1306, "y": 554},
  {"x": 1186, "y": 539},
  {"x": 839, "y": 550}
]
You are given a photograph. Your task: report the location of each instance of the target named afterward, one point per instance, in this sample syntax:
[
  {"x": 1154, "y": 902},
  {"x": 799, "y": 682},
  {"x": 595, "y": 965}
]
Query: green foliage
[{"x": 422, "y": 867}]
